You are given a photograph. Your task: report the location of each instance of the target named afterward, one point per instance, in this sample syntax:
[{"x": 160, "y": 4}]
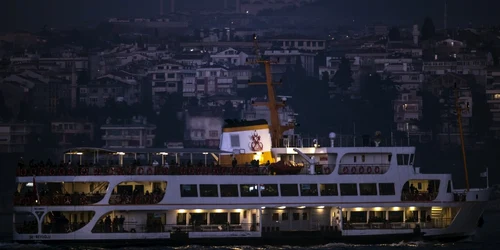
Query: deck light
[
  {"x": 321, "y": 207},
  {"x": 301, "y": 207},
  {"x": 283, "y": 207}
]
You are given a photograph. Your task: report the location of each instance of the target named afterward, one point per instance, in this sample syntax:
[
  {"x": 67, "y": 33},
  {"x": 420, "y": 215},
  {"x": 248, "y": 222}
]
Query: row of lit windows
[{"x": 286, "y": 190}]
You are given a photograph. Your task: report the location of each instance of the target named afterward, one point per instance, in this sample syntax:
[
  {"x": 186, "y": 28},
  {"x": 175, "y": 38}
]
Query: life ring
[
  {"x": 127, "y": 199},
  {"x": 149, "y": 172},
  {"x": 41, "y": 172},
  {"x": 61, "y": 171},
  {"x": 83, "y": 200},
  {"x": 377, "y": 169},
  {"x": 361, "y": 170},
  {"x": 52, "y": 171},
  {"x": 326, "y": 170},
  {"x": 70, "y": 172},
  {"x": 84, "y": 171},
  {"x": 24, "y": 172},
  {"x": 55, "y": 200},
  {"x": 369, "y": 170},
  {"x": 140, "y": 171},
  {"x": 97, "y": 171},
  {"x": 111, "y": 171},
  {"x": 67, "y": 200},
  {"x": 353, "y": 170},
  {"x": 191, "y": 171},
  {"x": 345, "y": 170}
]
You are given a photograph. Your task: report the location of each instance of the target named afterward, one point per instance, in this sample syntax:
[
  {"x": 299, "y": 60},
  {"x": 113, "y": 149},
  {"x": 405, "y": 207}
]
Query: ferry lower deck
[{"x": 265, "y": 225}]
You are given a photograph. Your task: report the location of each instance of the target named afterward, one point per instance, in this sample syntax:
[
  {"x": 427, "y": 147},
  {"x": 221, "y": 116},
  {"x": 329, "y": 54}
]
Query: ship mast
[
  {"x": 276, "y": 128},
  {"x": 459, "y": 110}
]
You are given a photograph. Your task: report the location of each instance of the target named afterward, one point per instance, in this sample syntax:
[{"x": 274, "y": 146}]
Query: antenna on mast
[
  {"x": 276, "y": 128},
  {"x": 161, "y": 7},
  {"x": 445, "y": 15}
]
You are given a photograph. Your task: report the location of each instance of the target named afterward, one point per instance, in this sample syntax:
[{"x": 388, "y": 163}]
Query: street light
[{"x": 205, "y": 153}]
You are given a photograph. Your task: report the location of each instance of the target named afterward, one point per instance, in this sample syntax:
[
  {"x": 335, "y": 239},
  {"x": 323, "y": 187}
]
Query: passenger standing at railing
[
  {"x": 116, "y": 221},
  {"x": 120, "y": 223},
  {"x": 234, "y": 162}
]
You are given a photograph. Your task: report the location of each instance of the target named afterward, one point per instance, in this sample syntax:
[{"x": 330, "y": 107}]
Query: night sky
[{"x": 33, "y": 14}]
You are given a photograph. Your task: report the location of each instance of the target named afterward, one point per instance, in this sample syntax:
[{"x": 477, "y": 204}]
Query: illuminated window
[{"x": 496, "y": 96}]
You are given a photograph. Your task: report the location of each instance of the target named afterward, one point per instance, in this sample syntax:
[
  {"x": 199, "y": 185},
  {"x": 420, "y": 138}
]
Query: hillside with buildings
[{"x": 148, "y": 86}]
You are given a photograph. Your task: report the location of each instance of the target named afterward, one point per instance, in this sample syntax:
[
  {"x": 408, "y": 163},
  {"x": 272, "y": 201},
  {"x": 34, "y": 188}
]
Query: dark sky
[{"x": 33, "y": 14}]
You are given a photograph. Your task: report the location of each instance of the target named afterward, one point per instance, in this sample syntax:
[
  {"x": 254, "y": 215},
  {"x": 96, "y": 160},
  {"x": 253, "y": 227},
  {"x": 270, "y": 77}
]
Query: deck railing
[
  {"x": 435, "y": 223},
  {"x": 172, "y": 228},
  {"x": 173, "y": 170},
  {"x": 57, "y": 200}
]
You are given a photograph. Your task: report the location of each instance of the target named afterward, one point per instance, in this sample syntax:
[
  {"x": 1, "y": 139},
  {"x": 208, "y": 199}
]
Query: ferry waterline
[{"x": 261, "y": 187}]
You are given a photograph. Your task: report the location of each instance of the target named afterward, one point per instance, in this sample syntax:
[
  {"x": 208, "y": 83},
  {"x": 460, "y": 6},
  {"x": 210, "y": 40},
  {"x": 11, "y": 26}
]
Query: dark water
[{"x": 487, "y": 237}]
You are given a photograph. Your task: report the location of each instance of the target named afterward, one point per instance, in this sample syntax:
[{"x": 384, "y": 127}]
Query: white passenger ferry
[{"x": 260, "y": 188}]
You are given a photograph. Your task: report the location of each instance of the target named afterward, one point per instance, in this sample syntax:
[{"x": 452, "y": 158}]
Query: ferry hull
[{"x": 297, "y": 238}]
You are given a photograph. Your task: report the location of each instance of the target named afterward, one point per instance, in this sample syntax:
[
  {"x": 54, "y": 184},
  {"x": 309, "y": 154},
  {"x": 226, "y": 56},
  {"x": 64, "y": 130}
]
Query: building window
[
  {"x": 235, "y": 141},
  {"x": 229, "y": 190},
  {"x": 268, "y": 190},
  {"x": 496, "y": 96},
  {"x": 284, "y": 216},
  {"x": 234, "y": 218},
  {"x": 276, "y": 217},
  {"x": 171, "y": 75},
  {"x": 386, "y": 189},
  {"x": 328, "y": 189},
  {"x": 249, "y": 190},
  {"x": 213, "y": 133},
  {"x": 368, "y": 189},
  {"x": 289, "y": 190},
  {"x": 308, "y": 189},
  {"x": 349, "y": 189},
  {"x": 208, "y": 190},
  {"x": 189, "y": 190}
]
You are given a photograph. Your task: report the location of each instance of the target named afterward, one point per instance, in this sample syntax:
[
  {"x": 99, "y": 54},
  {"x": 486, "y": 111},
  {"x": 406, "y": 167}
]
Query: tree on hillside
[
  {"x": 309, "y": 97},
  {"x": 394, "y": 34},
  {"x": 431, "y": 113},
  {"x": 428, "y": 29},
  {"x": 378, "y": 93},
  {"x": 5, "y": 112},
  {"x": 343, "y": 77},
  {"x": 481, "y": 114},
  {"x": 169, "y": 127}
]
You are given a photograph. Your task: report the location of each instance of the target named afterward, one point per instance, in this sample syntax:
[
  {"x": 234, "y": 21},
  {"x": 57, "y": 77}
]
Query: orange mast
[
  {"x": 276, "y": 128},
  {"x": 459, "y": 117}
]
